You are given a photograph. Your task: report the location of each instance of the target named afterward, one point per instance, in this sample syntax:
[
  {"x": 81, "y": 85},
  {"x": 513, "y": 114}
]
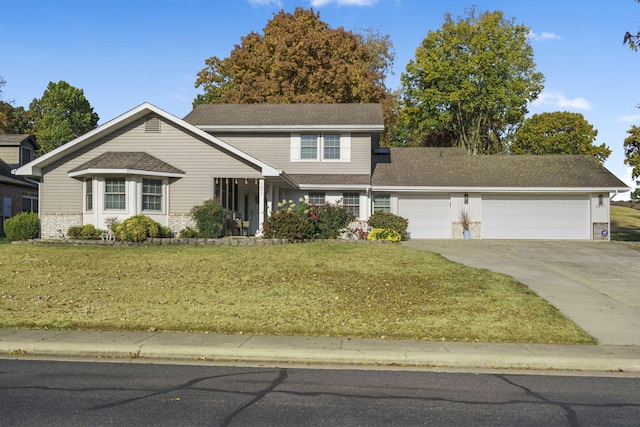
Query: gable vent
[{"x": 152, "y": 124}]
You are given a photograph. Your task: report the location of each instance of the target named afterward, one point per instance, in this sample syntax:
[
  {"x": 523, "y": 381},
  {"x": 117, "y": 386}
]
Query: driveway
[{"x": 595, "y": 284}]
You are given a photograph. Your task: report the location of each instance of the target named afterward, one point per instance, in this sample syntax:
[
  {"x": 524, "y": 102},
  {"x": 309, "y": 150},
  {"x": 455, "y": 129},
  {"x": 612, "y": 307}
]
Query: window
[
  {"x": 151, "y": 194},
  {"x": 29, "y": 202},
  {"x": 88, "y": 194},
  {"x": 331, "y": 147},
  {"x": 26, "y": 154},
  {"x": 382, "y": 202},
  {"x": 309, "y": 147},
  {"x": 226, "y": 189},
  {"x": 115, "y": 196},
  {"x": 352, "y": 202},
  {"x": 316, "y": 198}
]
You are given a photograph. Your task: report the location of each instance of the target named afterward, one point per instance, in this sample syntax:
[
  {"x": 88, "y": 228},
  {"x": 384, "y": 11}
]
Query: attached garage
[
  {"x": 542, "y": 216},
  {"x": 428, "y": 215}
]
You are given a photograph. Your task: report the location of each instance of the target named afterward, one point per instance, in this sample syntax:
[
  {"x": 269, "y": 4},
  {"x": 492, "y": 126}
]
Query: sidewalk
[{"x": 319, "y": 350}]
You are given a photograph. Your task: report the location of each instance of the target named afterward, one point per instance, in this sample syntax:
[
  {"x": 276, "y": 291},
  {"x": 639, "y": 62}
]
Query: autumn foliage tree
[
  {"x": 559, "y": 132},
  {"x": 300, "y": 59},
  {"x": 469, "y": 83},
  {"x": 632, "y": 151}
]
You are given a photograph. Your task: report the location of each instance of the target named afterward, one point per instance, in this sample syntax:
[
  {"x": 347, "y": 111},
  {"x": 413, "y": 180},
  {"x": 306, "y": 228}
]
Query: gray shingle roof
[
  {"x": 318, "y": 179},
  {"x": 128, "y": 160},
  {"x": 15, "y": 139},
  {"x": 450, "y": 167},
  {"x": 6, "y": 177},
  {"x": 252, "y": 115}
]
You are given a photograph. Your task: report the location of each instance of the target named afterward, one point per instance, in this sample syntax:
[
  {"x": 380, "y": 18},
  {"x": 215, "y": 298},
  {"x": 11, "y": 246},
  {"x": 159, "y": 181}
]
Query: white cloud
[
  {"x": 256, "y": 3},
  {"x": 318, "y": 3},
  {"x": 559, "y": 100},
  {"x": 545, "y": 35},
  {"x": 635, "y": 118}
]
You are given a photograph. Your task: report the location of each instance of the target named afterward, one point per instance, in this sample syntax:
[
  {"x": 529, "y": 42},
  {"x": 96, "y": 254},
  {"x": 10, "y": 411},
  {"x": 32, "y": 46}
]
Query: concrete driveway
[{"x": 595, "y": 284}]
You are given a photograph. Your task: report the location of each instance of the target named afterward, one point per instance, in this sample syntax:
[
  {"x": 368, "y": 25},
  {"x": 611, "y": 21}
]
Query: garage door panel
[
  {"x": 535, "y": 217},
  {"x": 428, "y": 216}
]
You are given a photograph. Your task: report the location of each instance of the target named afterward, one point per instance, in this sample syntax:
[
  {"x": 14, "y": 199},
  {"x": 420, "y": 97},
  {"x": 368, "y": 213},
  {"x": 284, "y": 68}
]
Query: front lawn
[
  {"x": 625, "y": 224},
  {"x": 313, "y": 289}
]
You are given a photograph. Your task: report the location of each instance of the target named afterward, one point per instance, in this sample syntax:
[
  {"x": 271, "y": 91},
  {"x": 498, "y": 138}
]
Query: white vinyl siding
[
  {"x": 429, "y": 215},
  {"x": 535, "y": 217}
]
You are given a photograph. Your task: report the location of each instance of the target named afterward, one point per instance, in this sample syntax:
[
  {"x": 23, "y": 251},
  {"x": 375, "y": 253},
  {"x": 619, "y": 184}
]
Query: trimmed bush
[
  {"x": 23, "y": 226},
  {"x": 394, "y": 222},
  {"x": 288, "y": 224},
  {"x": 189, "y": 233},
  {"x": 84, "y": 232},
  {"x": 329, "y": 219},
  {"x": 210, "y": 218},
  {"x": 136, "y": 229},
  {"x": 384, "y": 234}
]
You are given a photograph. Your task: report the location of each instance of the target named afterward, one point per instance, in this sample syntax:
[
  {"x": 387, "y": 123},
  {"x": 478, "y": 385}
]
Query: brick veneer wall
[
  {"x": 53, "y": 225},
  {"x": 177, "y": 222},
  {"x": 598, "y": 228}
]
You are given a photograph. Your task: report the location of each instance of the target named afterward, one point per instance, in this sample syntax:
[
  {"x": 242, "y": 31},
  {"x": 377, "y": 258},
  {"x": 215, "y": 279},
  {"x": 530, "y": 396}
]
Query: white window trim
[
  {"x": 296, "y": 148},
  {"x": 163, "y": 191}
]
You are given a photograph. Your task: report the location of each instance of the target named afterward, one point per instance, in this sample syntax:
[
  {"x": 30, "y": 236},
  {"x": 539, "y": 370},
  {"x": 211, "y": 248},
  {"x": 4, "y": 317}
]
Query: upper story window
[
  {"x": 321, "y": 147},
  {"x": 309, "y": 147},
  {"x": 26, "y": 155},
  {"x": 115, "y": 196},
  {"x": 151, "y": 194}
]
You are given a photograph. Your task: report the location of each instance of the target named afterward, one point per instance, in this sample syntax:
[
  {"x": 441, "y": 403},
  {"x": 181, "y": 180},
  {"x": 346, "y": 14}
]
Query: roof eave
[
  {"x": 290, "y": 128},
  {"x": 451, "y": 189},
  {"x": 98, "y": 171}
]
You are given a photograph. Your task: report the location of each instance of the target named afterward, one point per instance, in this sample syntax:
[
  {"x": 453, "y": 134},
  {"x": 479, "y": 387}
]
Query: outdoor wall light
[
  {"x": 466, "y": 199},
  {"x": 600, "y": 200}
]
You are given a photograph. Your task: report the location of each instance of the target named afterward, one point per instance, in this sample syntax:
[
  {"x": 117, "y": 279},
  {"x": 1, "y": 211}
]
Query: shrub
[
  {"x": 136, "y": 229},
  {"x": 288, "y": 224},
  {"x": 23, "y": 226},
  {"x": 329, "y": 219},
  {"x": 165, "y": 231},
  {"x": 210, "y": 218},
  {"x": 384, "y": 234},
  {"x": 189, "y": 233},
  {"x": 397, "y": 223},
  {"x": 84, "y": 232}
]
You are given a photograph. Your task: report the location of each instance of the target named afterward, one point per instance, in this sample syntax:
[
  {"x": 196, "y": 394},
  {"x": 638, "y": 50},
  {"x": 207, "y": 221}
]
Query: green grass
[
  {"x": 315, "y": 289},
  {"x": 625, "y": 224}
]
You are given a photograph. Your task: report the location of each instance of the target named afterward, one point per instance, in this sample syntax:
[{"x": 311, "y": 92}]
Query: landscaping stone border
[{"x": 225, "y": 241}]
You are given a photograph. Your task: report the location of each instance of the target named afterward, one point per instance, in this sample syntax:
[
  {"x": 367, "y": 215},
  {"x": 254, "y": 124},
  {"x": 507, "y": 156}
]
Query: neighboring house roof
[
  {"x": 15, "y": 139},
  {"x": 451, "y": 168},
  {"x": 7, "y": 178},
  {"x": 127, "y": 162},
  {"x": 321, "y": 181},
  {"x": 287, "y": 117},
  {"x": 34, "y": 168}
]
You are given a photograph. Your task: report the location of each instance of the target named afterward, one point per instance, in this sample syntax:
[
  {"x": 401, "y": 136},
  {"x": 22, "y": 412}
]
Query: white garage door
[
  {"x": 428, "y": 215},
  {"x": 535, "y": 217}
]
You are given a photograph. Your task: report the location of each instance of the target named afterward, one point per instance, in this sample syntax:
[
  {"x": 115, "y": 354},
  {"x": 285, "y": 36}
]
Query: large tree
[
  {"x": 60, "y": 115},
  {"x": 632, "y": 151},
  {"x": 470, "y": 81},
  {"x": 297, "y": 59},
  {"x": 560, "y": 132}
]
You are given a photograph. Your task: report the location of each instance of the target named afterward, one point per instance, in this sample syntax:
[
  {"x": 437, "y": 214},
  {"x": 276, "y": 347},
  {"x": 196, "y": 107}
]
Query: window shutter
[
  {"x": 345, "y": 147},
  {"x": 295, "y": 147}
]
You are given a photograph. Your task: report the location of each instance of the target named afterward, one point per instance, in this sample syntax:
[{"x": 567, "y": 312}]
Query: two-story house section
[{"x": 324, "y": 150}]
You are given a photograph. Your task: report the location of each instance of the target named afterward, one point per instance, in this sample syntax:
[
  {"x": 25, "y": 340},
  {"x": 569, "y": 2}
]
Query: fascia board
[
  {"x": 91, "y": 171},
  {"x": 300, "y": 128},
  {"x": 424, "y": 189},
  {"x": 333, "y": 187}
]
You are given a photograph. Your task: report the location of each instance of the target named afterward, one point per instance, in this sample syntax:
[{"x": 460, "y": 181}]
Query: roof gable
[
  {"x": 34, "y": 168},
  {"x": 133, "y": 162}
]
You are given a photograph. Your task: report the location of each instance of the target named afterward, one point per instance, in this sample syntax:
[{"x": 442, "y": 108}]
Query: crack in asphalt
[{"x": 275, "y": 383}]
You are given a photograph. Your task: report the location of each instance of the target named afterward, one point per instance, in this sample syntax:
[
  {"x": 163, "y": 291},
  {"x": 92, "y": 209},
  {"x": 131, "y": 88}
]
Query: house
[
  {"x": 17, "y": 193},
  {"x": 251, "y": 156}
]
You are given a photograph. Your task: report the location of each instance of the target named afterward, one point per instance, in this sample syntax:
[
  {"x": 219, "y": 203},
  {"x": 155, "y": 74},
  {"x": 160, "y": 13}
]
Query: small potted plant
[{"x": 465, "y": 221}]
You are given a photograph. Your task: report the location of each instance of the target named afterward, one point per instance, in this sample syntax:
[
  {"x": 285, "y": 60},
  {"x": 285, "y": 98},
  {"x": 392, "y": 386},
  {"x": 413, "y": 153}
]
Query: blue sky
[{"x": 124, "y": 53}]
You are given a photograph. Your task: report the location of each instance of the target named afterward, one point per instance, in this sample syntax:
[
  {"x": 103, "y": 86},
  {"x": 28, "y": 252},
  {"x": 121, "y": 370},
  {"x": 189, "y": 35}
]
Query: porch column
[{"x": 260, "y": 206}]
